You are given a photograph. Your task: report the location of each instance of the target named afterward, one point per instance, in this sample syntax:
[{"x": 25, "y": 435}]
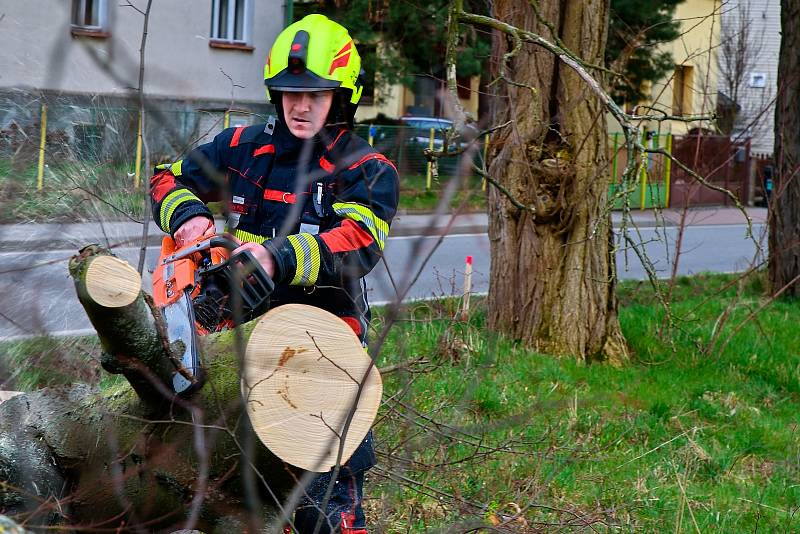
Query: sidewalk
[
  {"x": 705, "y": 216},
  {"x": 52, "y": 236}
]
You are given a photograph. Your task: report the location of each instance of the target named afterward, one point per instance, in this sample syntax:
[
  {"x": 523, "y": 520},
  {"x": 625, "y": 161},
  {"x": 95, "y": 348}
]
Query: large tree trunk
[
  {"x": 134, "y": 457},
  {"x": 553, "y": 273},
  {"x": 784, "y": 231}
]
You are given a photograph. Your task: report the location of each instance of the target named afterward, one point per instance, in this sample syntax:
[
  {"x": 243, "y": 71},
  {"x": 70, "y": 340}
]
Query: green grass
[
  {"x": 71, "y": 192},
  {"x": 416, "y": 196},
  {"x": 475, "y": 427},
  {"x": 680, "y": 440},
  {"x": 45, "y": 361},
  {"x": 74, "y": 191}
]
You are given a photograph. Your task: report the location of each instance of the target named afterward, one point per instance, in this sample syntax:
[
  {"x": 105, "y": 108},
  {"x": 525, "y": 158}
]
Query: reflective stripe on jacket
[{"x": 325, "y": 222}]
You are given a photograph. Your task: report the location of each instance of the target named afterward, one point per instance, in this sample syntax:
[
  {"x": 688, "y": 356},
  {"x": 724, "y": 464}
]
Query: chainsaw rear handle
[
  {"x": 245, "y": 259},
  {"x": 241, "y": 276}
]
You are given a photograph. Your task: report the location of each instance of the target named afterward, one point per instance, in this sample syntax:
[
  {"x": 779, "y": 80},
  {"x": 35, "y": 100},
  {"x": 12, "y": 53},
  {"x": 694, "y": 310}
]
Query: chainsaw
[{"x": 201, "y": 288}]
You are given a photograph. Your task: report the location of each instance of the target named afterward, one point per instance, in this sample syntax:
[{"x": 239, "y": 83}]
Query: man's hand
[
  {"x": 193, "y": 229},
  {"x": 261, "y": 254}
]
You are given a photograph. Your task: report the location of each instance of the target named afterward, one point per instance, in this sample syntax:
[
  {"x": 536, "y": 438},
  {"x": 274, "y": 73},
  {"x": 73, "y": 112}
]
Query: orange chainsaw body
[
  {"x": 172, "y": 277},
  {"x": 191, "y": 286}
]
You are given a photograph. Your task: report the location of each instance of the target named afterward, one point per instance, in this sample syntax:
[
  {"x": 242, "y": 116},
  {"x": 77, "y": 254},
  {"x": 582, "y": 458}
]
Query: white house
[{"x": 748, "y": 67}]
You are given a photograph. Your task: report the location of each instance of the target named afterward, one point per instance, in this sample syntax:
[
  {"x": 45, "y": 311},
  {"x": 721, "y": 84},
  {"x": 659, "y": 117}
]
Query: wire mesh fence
[
  {"x": 83, "y": 160},
  {"x": 68, "y": 136}
]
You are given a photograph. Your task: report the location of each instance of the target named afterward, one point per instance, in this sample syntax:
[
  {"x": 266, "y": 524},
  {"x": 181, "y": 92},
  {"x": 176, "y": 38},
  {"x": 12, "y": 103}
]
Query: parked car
[
  {"x": 421, "y": 132},
  {"x": 404, "y": 140}
]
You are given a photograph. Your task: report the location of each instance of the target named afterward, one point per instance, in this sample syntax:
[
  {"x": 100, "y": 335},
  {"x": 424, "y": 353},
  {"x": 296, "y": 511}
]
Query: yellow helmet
[{"x": 314, "y": 54}]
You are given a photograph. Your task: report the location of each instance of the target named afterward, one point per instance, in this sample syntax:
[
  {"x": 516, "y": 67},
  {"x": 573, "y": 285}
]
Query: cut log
[
  {"x": 7, "y": 526},
  {"x": 134, "y": 454},
  {"x": 111, "y": 282},
  {"x": 301, "y": 383},
  {"x": 130, "y": 329},
  {"x": 5, "y": 395},
  {"x": 135, "y": 457}
]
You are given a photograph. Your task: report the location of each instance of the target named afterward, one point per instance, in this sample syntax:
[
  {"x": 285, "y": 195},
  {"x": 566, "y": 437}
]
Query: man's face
[{"x": 305, "y": 113}]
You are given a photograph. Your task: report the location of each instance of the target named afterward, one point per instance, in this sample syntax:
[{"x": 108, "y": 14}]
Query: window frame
[
  {"x": 682, "y": 90},
  {"x": 247, "y": 25},
  {"x": 102, "y": 18}
]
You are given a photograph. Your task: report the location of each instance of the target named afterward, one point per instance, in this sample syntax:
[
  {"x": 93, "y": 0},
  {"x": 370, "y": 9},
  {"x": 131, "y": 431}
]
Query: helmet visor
[{"x": 301, "y": 82}]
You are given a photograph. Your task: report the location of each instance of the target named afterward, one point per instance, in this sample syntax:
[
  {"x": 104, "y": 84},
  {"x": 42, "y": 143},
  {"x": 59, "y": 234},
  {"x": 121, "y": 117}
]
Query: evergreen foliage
[
  {"x": 413, "y": 40},
  {"x": 412, "y": 37},
  {"x": 636, "y": 29}
]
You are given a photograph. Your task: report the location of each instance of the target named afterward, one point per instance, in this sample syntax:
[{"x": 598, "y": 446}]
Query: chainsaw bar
[{"x": 183, "y": 341}]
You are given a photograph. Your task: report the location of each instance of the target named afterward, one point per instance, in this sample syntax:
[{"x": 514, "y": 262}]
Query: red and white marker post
[{"x": 467, "y": 289}]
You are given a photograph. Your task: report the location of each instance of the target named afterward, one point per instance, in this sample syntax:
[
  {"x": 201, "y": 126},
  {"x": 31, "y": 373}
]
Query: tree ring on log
[
  {"x": 112, "y": 282},
  {"x": 303, "y": 367}
]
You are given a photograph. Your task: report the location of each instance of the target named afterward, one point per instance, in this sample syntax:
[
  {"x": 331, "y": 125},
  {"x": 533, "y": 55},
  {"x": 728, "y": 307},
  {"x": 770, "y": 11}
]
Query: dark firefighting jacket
[{"x": 322, "y": 207}]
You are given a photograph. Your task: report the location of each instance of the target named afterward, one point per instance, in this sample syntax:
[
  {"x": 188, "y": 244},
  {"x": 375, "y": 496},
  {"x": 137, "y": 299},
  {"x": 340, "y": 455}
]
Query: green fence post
[
  {"x": 614, "y": 164},
  {"x": 657, "y": 201},
  {"x": 485, "y": 166}
]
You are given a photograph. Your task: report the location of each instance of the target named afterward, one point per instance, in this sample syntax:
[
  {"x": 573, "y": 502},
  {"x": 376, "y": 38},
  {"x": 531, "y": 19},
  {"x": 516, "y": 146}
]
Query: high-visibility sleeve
[
  {"x": 180, "y": 190},
  {"x": 353, "y": 241}
]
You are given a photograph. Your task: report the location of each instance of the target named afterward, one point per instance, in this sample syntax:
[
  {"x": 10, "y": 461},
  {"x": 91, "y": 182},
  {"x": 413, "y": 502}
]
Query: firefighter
[{"x": 312, "y": 201}]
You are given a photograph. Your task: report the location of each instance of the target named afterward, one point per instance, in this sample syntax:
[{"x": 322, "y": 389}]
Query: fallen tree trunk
[{"x": 134, "y": 457}]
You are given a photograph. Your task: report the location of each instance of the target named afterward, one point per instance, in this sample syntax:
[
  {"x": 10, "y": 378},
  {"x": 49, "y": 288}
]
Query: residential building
[
  {"x": 78, "y": 56},
  {"x": 691, "y": 89},
  {"x": 748, "y": 70}
]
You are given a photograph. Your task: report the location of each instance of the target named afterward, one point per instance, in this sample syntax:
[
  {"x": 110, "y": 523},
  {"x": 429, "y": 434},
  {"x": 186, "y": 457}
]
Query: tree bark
[
  {"x": 784, "y": 228},
  {"x": 553, "y": 277},
  {"x": 133, "y": 456}
]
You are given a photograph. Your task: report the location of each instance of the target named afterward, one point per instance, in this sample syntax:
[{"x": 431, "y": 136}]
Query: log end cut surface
[
  {"x": 111, "y": 282},
  {"x": 303, "y": 367}
]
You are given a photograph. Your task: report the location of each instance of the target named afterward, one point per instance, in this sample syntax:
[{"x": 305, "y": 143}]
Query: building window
[
  {"x": 758, "y": 80},
  {"x": 231, "y": 21},
  {"x": 89, "y": 15},
  {"x": 682, "y": 91}
]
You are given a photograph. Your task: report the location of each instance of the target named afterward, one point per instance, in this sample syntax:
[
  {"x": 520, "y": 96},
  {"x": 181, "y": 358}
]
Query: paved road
[{"x": 38, "y": 294}]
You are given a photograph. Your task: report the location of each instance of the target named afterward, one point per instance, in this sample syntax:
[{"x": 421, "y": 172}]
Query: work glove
[
  {"x": 261, "y": 254},
  {"x": 193, "y": 229}
]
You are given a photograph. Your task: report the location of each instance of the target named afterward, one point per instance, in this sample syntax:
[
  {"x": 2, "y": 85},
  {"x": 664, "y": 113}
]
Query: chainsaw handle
[
  {"x": 224, "y": 242},
  {"x": 204, "y": 243}
]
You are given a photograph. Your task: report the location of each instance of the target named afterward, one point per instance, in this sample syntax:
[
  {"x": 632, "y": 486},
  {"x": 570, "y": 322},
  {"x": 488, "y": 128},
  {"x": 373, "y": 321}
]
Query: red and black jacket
[{"x": 322, "y": 207}]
